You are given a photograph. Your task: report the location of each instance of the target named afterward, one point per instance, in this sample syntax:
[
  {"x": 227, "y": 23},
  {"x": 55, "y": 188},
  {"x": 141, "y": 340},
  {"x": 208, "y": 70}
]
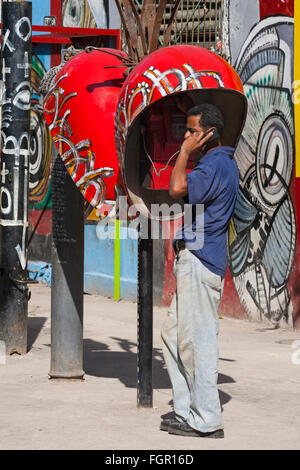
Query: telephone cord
[{"x": 168, "y": 162}]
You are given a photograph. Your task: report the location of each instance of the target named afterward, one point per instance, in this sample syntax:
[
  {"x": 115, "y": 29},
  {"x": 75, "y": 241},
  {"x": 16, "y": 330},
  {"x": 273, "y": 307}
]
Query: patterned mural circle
[
  {"x": 40, "y": 158},
  {"x": 275, "y": 160}
]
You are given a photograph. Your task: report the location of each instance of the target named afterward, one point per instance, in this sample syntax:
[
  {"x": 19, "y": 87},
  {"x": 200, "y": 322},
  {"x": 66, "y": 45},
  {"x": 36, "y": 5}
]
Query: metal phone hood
[{"x": 168, "y": 82}]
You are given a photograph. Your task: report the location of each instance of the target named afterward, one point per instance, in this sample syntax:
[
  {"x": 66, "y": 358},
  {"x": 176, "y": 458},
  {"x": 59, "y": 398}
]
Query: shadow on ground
[
  {"x": 35, "y": 325},
  {"x": 100, "y": 361}
]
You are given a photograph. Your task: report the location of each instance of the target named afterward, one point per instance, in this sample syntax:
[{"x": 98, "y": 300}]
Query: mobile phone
[{"x": 215, "y": 135}]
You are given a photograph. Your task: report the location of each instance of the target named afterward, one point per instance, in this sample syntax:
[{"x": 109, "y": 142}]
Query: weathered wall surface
[
  {"x": 240, "y": 21},
  {"x": 262, "y": 238}
]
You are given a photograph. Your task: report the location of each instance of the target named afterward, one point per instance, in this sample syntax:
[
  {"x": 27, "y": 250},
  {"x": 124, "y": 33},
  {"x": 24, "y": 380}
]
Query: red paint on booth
[
  {"x": 276, "y": 7},
  {"x": 80, "y": 111}
]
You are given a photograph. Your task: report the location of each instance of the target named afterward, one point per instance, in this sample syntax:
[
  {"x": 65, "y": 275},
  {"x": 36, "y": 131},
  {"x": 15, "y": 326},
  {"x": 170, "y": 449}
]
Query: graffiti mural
[
  {"x": 84, "y": 13},
  {"x": 262, "y": 238},
  {"x": 15, "y": 138},
  {"x": 40, "y": 144}
]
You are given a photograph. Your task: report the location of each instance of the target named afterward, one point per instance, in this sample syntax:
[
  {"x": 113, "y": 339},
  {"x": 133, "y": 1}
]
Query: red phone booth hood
[
  {"x": 80, "y": 110},
  {"x": 101, "y": 123},
  {"x": 167, "y": 83}
]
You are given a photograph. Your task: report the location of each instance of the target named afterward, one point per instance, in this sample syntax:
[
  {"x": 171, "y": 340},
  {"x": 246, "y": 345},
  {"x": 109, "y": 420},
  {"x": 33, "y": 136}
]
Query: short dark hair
[{"x": 210, "y": 116}]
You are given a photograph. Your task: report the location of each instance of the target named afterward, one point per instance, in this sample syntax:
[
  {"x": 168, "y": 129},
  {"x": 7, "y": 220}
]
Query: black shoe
[
  {"x": 184, "y": 429},
  {"x": 164, "y": 425}
]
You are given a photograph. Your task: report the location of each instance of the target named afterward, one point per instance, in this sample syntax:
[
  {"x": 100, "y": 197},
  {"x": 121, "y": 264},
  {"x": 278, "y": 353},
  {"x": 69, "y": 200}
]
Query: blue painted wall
[
  {"x": 40, "y": 8},
  {"x": 99, "y": 262}
]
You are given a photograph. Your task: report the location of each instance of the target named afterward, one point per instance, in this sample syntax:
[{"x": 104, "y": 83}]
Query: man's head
[{"x": 203, "y": 118}]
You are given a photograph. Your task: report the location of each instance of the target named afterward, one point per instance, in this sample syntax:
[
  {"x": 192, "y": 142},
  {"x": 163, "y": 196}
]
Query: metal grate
[{"x": 198, "y": 22}]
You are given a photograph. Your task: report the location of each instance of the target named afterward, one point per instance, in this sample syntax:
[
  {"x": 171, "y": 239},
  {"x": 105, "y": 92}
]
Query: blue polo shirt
[{"x": 213, "y": 185}]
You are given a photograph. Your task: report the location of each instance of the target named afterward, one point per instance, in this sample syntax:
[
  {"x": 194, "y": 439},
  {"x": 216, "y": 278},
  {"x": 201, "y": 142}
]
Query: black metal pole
[
  {"x": 16, "y": 63},
  {"x": 67, "y": 276},
  {"x": 145, "y": 322}
]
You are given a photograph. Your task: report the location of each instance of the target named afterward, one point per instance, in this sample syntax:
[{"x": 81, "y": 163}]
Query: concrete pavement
[{"x": 259, "y": 386}]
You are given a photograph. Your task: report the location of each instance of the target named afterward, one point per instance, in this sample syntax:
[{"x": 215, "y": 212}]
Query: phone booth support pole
[
  {"x": 145, "y": 322},
  {"x": 15, "y": 128},
  {"x": 67, "y": 275}
]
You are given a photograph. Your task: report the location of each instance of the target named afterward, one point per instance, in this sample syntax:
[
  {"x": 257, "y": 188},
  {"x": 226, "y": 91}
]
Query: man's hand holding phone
[
  {"x": 197, "y": 141},
  {"x": 194, "y": 141}
]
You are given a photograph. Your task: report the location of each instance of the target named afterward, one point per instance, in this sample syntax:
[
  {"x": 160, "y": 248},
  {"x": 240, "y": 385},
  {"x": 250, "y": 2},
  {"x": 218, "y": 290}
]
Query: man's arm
[{"x": 178, "y": 183}]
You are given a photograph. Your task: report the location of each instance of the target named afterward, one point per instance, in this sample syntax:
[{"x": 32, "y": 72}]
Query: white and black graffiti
[
  {"x": 263, "y": 234},
  {"x": 16, "y": 59}
]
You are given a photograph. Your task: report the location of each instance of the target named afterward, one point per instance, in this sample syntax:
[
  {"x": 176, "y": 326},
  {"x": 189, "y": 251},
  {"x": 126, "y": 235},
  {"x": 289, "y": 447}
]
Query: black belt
[{"x": 179, "y": 245}]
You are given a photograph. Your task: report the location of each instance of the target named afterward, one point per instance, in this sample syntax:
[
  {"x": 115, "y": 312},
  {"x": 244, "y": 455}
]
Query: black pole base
[
  {"x": 13, "y": 315},
  {"x": 144, "y": 401},
  {"x": 67, "y": 379},
  {"x": 145, "y": 324},
  {"x": 15, "y": 162}
]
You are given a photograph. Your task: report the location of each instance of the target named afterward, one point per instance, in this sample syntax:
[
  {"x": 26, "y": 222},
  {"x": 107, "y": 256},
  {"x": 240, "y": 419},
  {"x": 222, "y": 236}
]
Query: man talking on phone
[{"x": 190, "y": 331}]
